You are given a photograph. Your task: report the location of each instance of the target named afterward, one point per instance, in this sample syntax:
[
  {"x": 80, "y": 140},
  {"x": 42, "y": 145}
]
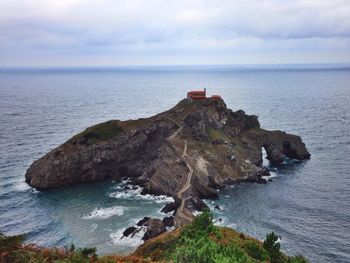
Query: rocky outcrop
[
  {"x": 169, "y": 221},
  {"x": 155, "y": 227},
  {"x": 143, "y": 221},
  {"x": 169, "y": 207},
  {"x": 130, "y": 230},
  {"x": 193, "y": 149}
]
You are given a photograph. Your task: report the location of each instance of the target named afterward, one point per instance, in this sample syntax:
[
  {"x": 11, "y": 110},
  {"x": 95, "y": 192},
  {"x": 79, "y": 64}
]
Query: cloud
[{"x": 81, "y": 29}]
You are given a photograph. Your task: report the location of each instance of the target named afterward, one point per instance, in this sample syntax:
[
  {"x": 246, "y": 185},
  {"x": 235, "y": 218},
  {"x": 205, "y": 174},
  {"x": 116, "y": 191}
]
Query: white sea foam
[
  {"x": 134, "y": 193},
  {"x": 103, "y": 213},
  {"x": 233, "y": 225},
  {"x": 196, "y": 213},
  {"x": 272, "y": 175},
  {"x": 219, "y": 221},
  {"x": 118, "y": 239}
]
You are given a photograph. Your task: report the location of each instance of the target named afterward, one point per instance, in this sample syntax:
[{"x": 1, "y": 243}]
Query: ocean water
[{"x": 307, "y": 203}]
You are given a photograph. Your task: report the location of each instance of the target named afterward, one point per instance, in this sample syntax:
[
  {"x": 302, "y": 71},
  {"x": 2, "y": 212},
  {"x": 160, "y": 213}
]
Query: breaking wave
[
  {"x": 133, "y": 192},
  {"x": 118, "y": 239},
  {"x": 103, "y": 213}
]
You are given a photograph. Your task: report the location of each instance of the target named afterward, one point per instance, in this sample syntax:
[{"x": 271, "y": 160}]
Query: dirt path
[
  {"x": 178, "y": 130},
  {"x": 185, "y": 187},
  {"x": 181, "y": 217}
]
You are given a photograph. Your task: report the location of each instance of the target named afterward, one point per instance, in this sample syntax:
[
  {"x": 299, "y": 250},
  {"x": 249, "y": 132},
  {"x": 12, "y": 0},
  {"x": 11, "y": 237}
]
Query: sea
[{"x": 306, "y": 203}]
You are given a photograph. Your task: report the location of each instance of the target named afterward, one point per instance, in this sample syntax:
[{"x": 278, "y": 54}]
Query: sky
[{"x": 178, "y": 32}]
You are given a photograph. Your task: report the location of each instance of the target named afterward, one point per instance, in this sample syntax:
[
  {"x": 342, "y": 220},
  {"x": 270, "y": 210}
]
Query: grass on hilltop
[{"x": 100, "y": 132}]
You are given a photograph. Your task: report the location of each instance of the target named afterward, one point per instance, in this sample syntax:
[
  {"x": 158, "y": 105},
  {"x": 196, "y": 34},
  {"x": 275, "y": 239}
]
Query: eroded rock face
[
  {"x": 155, "y": 227},
  {"x": 169, "y": 221},
  {"x": 192, "y": 150}
]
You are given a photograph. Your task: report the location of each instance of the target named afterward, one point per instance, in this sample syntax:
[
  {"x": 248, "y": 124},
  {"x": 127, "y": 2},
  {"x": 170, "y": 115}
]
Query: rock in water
[
  {"x": 155, "y": 227},
  {"x": 127, "y": 232},
  {"x": 169, "y": 207},
  {"x": 217, "y": 207},
  {"x": 186, "y": 152},
  {"x": 199, "y": 205},
  {"x": 143, "y": 221}
]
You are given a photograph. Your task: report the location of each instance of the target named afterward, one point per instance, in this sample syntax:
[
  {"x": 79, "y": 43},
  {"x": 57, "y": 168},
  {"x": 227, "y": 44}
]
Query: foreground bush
[{"x": 203, "y": 242}]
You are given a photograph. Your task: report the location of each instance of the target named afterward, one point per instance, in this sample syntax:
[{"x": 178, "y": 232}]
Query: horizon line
[{"x": 322, "y": 65}]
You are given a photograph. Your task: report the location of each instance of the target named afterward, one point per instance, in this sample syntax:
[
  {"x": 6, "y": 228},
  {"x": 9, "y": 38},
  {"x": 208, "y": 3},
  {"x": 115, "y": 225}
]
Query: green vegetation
[
  {"x": 256, "y": 251},
  {"x": 203, "y": 242},
  {"x": 217, "y": 134},
  {"x": 199, "y": 242},
  {"x": 12, "y": 242},
  {"x": 272, "y": 246},
  {"x": 100, "y": 132},
  {"x": 13, "y": 250}
]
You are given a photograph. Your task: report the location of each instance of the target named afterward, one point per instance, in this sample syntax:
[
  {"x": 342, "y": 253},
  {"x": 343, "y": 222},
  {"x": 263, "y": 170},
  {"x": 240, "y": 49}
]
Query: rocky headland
[{"x": 186, "y": 152}]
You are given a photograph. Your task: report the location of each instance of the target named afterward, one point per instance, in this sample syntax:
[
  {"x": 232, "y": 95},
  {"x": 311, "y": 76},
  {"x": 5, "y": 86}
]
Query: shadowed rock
[
  {"x": 169, "y": 221},
  {"x": 155, "y": 227},
  {"x": 143, "y": 221},
  {"x": 127, "y": 232},
  {"x": 169, "y": 207}
]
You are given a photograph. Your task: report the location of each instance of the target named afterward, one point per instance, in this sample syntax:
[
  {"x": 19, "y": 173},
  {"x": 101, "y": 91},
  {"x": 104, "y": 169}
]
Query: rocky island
[{"x": 187, "y": 153}]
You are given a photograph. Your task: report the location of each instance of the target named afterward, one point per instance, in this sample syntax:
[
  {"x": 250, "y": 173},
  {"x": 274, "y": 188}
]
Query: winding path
[
  {"x": 180, "y": 215},
  {"x": 185, "y": 187}
]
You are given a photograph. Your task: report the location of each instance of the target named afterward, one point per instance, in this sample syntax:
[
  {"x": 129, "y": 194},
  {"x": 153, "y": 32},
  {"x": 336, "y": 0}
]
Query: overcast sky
[{"x": 155, "y": 32}]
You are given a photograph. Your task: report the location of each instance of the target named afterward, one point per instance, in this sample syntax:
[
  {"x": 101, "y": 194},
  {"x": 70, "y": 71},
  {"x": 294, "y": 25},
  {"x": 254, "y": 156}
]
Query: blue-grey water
[{"x": 307, "y": 203}]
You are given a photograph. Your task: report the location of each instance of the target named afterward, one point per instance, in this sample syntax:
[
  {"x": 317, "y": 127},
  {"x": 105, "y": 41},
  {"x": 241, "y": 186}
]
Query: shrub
[
  {"x": 296, "y": 259},
  {"x": 10, "y": 242},
  {"x": 202, "y": 226},
  {"x": 256, "y": 251},
  {"x": 272, "y": 246},
  {"x": 200, "y": 242},
  {"x": 89, "y": 252}
]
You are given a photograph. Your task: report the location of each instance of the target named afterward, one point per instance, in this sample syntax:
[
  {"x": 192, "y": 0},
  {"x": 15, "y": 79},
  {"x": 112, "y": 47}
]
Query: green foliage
[
  {"x": 256, "y": 251},
  {"x": 12, "y": 250},
  {"x": 206, "y": 250},
  {"x": 10, "y": 242},
  {"x": 89, "y": 252},
  {"x": 296, "y": 259},
  {"x": 202, "y": 226},
  {"x": 273, "y": 248},
  {"x": 71, "y": 248},
  {"x": 100, "y": 132},
  {"x": 201, "y": 242},
  {"x": 217, "y": 134}
]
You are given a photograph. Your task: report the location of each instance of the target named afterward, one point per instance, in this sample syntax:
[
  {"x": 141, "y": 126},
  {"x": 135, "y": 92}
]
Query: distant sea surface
[{"x": 307, "y": 203}]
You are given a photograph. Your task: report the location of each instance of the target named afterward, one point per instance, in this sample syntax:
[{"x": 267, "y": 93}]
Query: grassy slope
[
  {"x": 203, "y": 242},
  {"x": 100, "y": 132},
  {"x": 199, "y": 242}
]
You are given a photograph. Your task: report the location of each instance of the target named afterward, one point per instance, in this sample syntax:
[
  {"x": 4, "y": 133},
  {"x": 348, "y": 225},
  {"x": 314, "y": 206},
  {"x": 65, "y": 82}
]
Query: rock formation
[{"x": 186, "y": 152}]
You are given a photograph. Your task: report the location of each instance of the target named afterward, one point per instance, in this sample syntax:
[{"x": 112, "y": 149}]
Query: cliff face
[{"x": 186, "y": 152}]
